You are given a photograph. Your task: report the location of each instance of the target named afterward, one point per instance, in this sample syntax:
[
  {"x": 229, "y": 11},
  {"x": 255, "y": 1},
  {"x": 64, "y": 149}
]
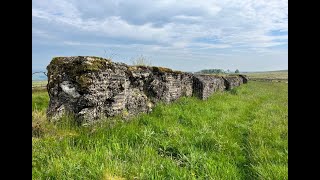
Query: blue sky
[{"x": 188, "y": 35}]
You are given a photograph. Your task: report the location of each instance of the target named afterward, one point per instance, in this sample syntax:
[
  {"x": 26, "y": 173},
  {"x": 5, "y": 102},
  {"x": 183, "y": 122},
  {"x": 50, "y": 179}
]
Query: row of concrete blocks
[{"x": 91, "y": 87}]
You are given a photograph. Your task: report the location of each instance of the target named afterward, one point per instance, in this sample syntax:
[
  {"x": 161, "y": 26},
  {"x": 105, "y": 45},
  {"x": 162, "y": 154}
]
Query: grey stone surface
[
  {"x": 235, "y": 80},
  {"x": 205, "y": 85},
  {"x": 92, "y": 87}
]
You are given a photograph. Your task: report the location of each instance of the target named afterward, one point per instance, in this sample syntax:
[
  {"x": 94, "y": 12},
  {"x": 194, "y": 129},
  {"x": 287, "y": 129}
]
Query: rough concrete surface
[{"x": 93, "y": 87}]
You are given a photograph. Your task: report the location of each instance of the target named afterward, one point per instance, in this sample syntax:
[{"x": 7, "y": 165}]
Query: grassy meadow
[
  {"x": 39, "y": 83},
  {"x": 238, "y": 134},
  {"x": 269, "y": 75}
]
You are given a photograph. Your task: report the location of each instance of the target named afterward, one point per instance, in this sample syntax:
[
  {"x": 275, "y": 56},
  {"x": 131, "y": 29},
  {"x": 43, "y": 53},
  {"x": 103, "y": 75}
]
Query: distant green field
[
  {"x": 271, "y": 75},
  {"x": 239, "y": 134},
  {"x": 39, "y": 83}
]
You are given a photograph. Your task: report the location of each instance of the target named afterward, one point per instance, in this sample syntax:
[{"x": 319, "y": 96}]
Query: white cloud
[
  {"x": 168, "y": 26},
  {"x": 41, "y": 34},
  {"x": 209, "y": 46},
  {"x": 231, "y": 22}
]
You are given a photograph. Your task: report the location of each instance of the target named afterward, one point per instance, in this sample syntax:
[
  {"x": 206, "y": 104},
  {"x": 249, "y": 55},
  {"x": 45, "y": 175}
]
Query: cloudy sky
[{"x": 188, "y": 35}]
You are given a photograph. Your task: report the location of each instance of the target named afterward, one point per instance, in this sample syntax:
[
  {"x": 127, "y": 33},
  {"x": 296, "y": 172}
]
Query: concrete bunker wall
[{"x": 92, "y": 87}]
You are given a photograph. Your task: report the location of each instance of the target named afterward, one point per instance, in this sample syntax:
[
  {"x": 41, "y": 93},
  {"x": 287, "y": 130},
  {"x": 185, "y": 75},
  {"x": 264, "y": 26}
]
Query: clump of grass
[
  {"x": 141, "y": 61},
  {"x": 227, "y": 136},
  {"x": 39, "y": 123}
]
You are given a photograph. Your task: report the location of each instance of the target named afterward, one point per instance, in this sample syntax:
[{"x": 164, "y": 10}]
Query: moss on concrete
[
  {"x": 164, "y": 70},
  {"x": 80, "y": 64},
  {"x": 84, "y": 81},
  {"x": 78, "y": 68}
]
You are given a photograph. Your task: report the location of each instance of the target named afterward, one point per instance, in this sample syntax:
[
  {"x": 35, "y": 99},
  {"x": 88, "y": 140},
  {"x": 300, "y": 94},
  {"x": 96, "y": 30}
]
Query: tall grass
[
  {"x": 141, "y": 61},
  {"x": 40, "y": 100},
  {"x": 240, "y": 134}
]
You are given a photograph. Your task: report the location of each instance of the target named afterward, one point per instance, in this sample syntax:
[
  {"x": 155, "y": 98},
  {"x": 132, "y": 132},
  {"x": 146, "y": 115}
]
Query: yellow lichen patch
[{"x": 132, "y": 68}]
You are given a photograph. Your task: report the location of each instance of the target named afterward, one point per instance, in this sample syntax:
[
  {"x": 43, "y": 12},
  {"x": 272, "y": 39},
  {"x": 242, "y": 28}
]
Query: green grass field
[
  {"x": 269, "y": 75},
  {"x": 239, "y": 134},
  {"x": 39, "y": 83}
]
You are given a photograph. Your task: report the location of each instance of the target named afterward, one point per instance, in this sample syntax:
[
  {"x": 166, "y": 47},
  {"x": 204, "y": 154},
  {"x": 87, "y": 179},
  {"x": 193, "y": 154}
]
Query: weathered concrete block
[
  {"x": 205, "y": 85},
  {"x": 92, "y": 87},
  {"x": 233, "y": 81},
  {"x": 244, "y": 78}
]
